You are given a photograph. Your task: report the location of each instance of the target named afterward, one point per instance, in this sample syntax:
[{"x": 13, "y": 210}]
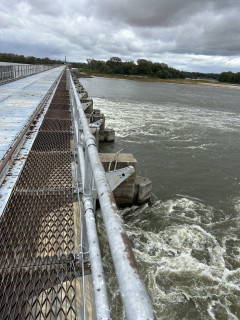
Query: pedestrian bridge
[{"x": 50, "y": 177}]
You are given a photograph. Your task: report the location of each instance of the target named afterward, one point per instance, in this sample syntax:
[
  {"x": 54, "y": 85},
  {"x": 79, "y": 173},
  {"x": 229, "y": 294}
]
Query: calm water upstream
[{"x": 187, "y": 241}]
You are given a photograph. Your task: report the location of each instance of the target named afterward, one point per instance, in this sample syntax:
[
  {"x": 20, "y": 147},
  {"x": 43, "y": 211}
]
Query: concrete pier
[
  {"x": 123, "y": 194},
  {"x": 134, "y": 189},
  {"x": 105, "y": 134},
  {"x": 143, "y": 189}
]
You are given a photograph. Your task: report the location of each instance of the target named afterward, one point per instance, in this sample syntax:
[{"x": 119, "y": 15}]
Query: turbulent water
[{"x": 187, "y": 240}]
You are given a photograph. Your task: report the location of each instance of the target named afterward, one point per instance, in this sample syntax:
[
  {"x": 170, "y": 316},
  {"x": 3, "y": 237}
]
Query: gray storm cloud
[{"x": 173, "y": 30}]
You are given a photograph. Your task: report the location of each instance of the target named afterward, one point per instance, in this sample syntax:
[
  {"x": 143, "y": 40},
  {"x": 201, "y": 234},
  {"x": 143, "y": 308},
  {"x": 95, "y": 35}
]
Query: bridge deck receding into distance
[{"x": 18, "y": 101}]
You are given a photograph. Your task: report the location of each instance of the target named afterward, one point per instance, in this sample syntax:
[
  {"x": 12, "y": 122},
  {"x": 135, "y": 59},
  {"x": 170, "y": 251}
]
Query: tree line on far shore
[
  {"x": 116, "y": 66},
  {"x": 229, "y": 77},
  {"x": 142, "y": 68},
  {"x": 16, "y": 58}
]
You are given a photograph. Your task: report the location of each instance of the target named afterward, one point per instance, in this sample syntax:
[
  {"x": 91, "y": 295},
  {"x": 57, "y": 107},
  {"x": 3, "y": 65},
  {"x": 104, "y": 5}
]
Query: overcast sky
[{"x": 191, "y": 35}]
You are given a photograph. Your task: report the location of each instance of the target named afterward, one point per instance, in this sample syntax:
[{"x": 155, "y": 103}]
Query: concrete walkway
[{"x": 18, "y": 101}]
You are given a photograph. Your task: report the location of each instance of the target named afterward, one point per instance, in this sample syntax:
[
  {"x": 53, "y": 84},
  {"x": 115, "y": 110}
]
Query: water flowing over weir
[{"x": 51, "y": 174}]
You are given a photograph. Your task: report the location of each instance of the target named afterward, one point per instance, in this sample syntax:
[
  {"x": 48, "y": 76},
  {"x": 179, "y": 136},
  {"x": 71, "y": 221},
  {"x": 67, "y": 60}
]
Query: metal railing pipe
[
  {"x": 99, "y": 284},
  {"x": 135, "y": 298},
  {"x": 81, "y": 160}
]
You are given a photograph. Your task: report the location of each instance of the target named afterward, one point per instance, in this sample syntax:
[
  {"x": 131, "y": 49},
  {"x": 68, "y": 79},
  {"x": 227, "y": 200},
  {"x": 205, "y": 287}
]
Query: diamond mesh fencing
[{"x": 49, "y": 124}]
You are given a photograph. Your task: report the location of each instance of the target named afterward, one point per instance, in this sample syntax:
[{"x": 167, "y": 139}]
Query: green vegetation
[
  {"x": 200, "y": 75},
  {"x": 229, "y": 77},
  {"x": 143, "y": 68},
  {"x": 15, "y": 58}
]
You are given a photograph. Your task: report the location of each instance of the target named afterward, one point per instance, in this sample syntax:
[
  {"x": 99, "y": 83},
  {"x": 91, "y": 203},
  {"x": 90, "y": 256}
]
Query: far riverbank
[{"x": 201, "y": 82}]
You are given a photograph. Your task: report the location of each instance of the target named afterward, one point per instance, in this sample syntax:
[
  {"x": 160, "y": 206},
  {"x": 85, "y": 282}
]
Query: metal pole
[
  {"x": 99, "y": 283},
  {"x": 82, "y": 165},
  {"x": 135, "y": 298}
]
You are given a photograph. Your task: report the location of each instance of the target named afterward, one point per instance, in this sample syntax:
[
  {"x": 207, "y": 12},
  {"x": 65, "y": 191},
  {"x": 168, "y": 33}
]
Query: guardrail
[
  {"x": 13, "y": 72},
  {"x": 135, "y": 298}
]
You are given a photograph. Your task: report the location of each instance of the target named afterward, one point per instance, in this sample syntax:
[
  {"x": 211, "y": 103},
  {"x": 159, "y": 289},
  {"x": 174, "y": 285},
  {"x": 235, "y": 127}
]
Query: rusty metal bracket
[
  {"x": 86, "y": 105},
  {"x": 114, "y": 158},
  {"x": 82, "y": 95},
  {"x": 116, "y": 177},
  {"x": 96, "y": 124}
]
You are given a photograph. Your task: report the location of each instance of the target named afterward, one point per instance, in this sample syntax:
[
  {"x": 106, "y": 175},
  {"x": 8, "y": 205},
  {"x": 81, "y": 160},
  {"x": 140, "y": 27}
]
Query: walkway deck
[
  {"x": 40, "y": 275},
  {"x": 18, "y": 101}
]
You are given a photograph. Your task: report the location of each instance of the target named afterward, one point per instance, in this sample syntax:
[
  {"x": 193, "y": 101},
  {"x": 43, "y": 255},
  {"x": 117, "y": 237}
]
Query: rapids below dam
[{"x": 187, "y": 240}]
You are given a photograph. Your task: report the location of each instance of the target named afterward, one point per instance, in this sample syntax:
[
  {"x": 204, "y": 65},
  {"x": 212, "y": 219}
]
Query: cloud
[
  {"x": 154, "y": 13},
  {"x": 153, "y": 29}
]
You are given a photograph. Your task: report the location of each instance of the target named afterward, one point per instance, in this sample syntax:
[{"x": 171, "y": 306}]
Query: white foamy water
[
  {"x": 184, "y": 263},
  {"x": 146, "y": 119}
]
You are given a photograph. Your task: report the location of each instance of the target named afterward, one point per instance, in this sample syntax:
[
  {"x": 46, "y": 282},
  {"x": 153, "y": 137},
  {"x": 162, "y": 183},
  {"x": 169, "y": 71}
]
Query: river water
[{"x": 187, "y": 240}]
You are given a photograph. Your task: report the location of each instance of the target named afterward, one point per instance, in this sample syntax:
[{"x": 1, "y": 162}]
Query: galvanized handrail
[
  {"x": 13, "y": 72},
  {"x": 135, "y": 298},
  {"x": 91, "y": 244}
]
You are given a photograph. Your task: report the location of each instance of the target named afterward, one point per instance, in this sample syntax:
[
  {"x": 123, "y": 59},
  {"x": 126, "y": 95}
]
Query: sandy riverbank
[{"x": 221, "y": 85}]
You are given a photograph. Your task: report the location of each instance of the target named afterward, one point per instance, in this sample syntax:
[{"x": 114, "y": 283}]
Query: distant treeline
[
  {"x": 200, "y": 75},
  {"x": 229, "y": 77},
  {"x": 15, "y": 58},
  {"x": 143, "y": 68},
  {"x": 151, "y": 69}
]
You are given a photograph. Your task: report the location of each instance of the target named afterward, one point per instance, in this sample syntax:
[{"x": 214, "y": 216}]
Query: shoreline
[{"x": 200, "y": 82}]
